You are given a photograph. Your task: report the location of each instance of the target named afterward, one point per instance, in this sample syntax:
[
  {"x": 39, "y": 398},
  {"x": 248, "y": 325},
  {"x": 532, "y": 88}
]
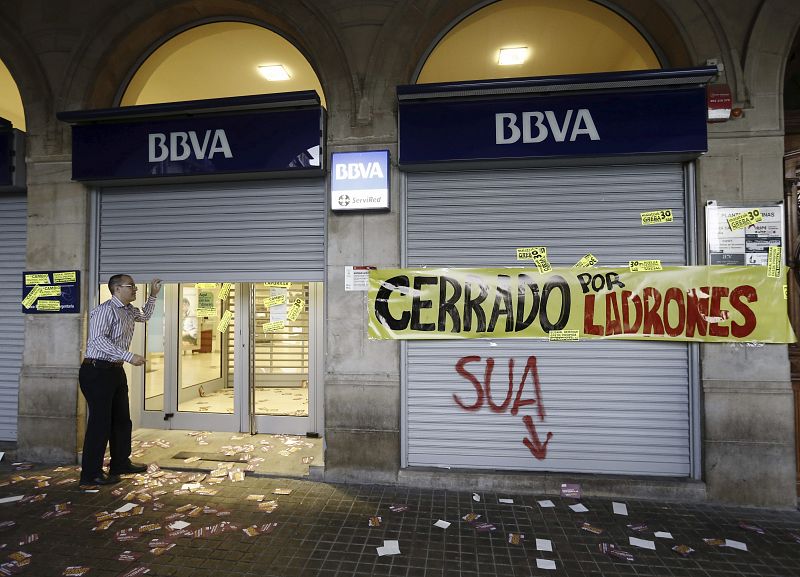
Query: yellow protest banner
[{"x": 685, "y": 303}]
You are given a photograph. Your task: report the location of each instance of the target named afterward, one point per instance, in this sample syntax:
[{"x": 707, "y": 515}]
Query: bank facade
[{"x": 235, "y": 202}]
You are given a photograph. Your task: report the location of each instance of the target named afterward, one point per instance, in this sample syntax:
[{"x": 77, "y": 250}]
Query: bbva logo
[
  {"x": 354, "y": 170},
  {"x": 182, "y": 145},
  {"x": 508, "y": 131}
]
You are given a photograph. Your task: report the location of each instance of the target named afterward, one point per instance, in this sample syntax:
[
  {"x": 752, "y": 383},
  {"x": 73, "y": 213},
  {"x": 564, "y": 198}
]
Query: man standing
[{"x": 104, "y": 384}]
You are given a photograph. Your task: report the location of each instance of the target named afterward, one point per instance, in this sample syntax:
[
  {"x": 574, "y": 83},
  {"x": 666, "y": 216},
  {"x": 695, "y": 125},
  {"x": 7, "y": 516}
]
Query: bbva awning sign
[{"x": 685, "y": 303}]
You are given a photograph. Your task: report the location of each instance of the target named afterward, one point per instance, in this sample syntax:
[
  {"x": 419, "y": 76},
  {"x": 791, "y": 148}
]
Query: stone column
[{"x": 49, "y": 416}]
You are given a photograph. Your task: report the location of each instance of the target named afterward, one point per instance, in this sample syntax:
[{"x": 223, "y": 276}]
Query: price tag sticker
[
  {"x": 774, "y": 262},
  {"x": 222, "y": 326},
  {"x": 274, "y": 301},
  {"x": 656, "y": 217},
  {"x": 564, "y": 335},
  {"x": 224, "y": 291},
  {"x": 294, "y": 311},
  {"x": 273, "y": 326},
  {"x": 744, "y": 219},
  {"x": 528, "y": 252},
  {"x": 644, "y": 265},
  {"x": 586, "y": 262},
  {"x": 65, "y": 277},
  {"x": 31, "y": 279}
]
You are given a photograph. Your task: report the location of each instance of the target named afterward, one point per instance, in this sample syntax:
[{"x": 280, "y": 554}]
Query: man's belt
[{"x": 102, "y": 363}]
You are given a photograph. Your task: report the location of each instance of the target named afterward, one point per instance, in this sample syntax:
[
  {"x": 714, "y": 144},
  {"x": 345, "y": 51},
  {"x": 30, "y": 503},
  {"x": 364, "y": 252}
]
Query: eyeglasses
[{"x": 127, "y": 285}]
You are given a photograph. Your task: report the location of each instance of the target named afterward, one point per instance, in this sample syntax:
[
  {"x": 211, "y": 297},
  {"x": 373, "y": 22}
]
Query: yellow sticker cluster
[
  {"x": 278, "y": 284},
  {"x": 274, "y": 301},
  {"x": 587, "y": 261},
  {"x": 294, "y": 311},
  {"x": 656, "y": 217},
  {"x": 644, "y": 265},
  {"x": 564, "y": 335},
  {"x": 744, "y": 219},
  {"x": 224, "y": 291},
  {"x": 222, "y": 326},
  {"x": 774, "y": 262},
  {"x": 273, "y": 326},
  {"x": 31, "y": 279}
]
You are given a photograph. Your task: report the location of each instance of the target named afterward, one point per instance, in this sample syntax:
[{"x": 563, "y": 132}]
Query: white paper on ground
[
  {"x": 442, "y": 524},
  {"x": 507, "y": 501},
  {"x": 546, "y": 503},
  {"x": 191, "y": 486},
  {"x": 11, "y": 499},
  {"x": 545, "y": 564},
  {"x": 643, "y": 543},
  {"x": 389, "y": 548},
  {"x": 620, "y": 508},
  {"x": 663, "y": 534},
  {"x": 579, "y": 508},
  {"x": 544, "y": 545},
  {"x": 125, "y": 508},
  {"x": 476, "y": 497},
  {"x": 2, "y": 454},
  {"x": 735, "y": 544},
  {"x": 178, "y": 525}
]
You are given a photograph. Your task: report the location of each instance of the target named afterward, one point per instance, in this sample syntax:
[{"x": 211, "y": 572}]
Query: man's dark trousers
[{"x": 106, "y": 392}]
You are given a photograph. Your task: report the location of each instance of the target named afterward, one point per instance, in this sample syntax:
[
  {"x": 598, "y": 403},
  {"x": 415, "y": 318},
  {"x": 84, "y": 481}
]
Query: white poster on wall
[{"x": 729, "y": 243}]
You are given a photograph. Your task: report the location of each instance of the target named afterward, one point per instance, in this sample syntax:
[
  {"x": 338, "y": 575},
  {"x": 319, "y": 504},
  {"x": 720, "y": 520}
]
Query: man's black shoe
[
  {"x": 101, "y": 479},
  {"x": 129, "y": 469}
]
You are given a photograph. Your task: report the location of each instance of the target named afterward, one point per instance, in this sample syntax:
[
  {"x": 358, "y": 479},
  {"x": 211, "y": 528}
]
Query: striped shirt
[{"x": 111, "y": 327}]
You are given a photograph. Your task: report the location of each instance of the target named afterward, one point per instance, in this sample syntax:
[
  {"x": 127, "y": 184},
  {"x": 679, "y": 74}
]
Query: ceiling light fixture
[
  {"x": 274, "y": 72},
  {"x": 511, "y": 56}
]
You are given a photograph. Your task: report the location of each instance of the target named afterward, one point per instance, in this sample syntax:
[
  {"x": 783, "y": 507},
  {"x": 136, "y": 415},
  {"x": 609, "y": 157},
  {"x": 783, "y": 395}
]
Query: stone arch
[
  {"x": 31, "y": 81},
  {"x": 104, "y": 62},
  {"x": 765, "y": 59}
]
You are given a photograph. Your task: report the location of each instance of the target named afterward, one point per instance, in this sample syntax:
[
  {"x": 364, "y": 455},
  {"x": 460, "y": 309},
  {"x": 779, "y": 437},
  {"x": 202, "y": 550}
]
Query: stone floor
[{"x": 271, "y": 526}]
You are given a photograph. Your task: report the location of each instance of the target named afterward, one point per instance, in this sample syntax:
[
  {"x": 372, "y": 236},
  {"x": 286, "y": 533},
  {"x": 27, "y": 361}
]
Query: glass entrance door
[{"x": 233, "y": 357}]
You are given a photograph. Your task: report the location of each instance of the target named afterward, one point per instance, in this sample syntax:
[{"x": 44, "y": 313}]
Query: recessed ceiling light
[
  {"x": 274, "y": 72},
  {"x": 510, "y": 56}
]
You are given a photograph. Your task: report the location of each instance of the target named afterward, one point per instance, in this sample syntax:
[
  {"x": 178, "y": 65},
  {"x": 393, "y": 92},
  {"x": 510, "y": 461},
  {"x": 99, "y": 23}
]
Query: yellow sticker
[
  {"x": 64, "y": 277},
  {"x": 587, "y": 261},
  {"x": 278, "y": 284},
  {"x": 644, "y": 265},
  {"x": 529, "y": 252},
  {"x": 49, "y": 291},
  {"x": 744, "y": 219},
  {"x": 48, "y": 306},
  {"x": 206, "y": 285},
  {"x": 564, "y": 335},
  {"x": 223, "y": 292},
  {"x": 274, "y": 301},
  {"x": 294, "y": 311},
  {"x": 32, "y": 296},
  {"x": 656, "y": 216},
  {"x": 541, "y": 262},
  {"x": 273, "y": 326},
  {"x": 785, "y": 292},
  {"x": 222, "y": 326},
  {"x": 42, "y": 278},
  {"x": 774, "y": 262}
]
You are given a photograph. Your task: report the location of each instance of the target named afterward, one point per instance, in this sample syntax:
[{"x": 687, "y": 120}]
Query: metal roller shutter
[
  {"x": 611, "y": 406},
  {"x": 13, "y": 235},
  {"x": 244, "y": 231}
]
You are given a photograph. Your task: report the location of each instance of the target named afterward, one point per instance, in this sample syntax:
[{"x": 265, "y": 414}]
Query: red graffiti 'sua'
[{"x": 483, "y": 393}]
